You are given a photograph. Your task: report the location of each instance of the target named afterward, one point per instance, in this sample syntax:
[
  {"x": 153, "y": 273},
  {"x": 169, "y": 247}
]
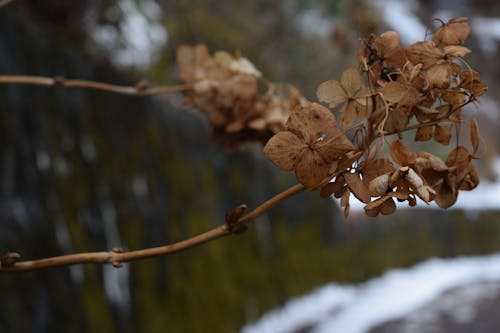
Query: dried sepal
[{"x": 474, "y": 134}]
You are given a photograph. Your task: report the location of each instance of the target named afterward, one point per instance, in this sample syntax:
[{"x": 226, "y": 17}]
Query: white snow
[
  {"x": 139, "y": 37},
  {"x": 399, "y": 292},
  {"x": 399, "y": 15}
]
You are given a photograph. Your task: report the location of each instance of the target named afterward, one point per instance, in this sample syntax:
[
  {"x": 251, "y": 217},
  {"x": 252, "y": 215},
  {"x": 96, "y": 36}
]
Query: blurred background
[{"x": 88, "y": 171}]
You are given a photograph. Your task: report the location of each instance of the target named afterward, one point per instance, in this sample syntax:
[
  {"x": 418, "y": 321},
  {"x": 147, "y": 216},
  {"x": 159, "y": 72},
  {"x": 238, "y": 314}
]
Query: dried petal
[
  {"x": 425, "y": 53},
  {"x": 393, "y": 92},
  {"x": 373, "y": 208},
  {"x": 331, "y": 92},
  {"x": 351, "y": 81},
  {"x": 446, "y": 196},
  {"x": 461, "y": 160},
  {"x": 414, "y": 179},
  {"x": 310, "y": 122},
  {"x": 388, "y": 207},
  {"x": 379, "y": 185},
  {"x": 357, "y": 187},
  {"x": 474, "y": 134},
  {"x": 438, "y": 76},
  {"x": 333, "y": 145},
  {"x": 442, "y": 134},
  {"x": 332, "y": 187},
  {"x": 401, "y": 154},
  {"x": 375, "y": 168},
  {"x": 456, "y": 51},
  {"x": 284, "y": 150},
  {"x": 454, "y": 32},
  {"x": 424, "y": 133},
  {"x": 311, "y": 170}
]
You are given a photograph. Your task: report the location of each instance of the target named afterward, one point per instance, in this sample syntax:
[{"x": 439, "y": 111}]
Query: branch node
[
  {"x": 59, "y": 81},
  {"x": 9, "y": 259},
  {"x": 116, "y": 263},
  {"x": 141, "y": 86},
  {"x": 232, "y": 219}
]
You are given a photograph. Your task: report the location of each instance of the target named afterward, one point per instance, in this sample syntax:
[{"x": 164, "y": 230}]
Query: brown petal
[
  {"x": 379, "y": 185},
  {"x": 442, "y": 134},
  {"x": 349, "y": 115},
  {"x": 331, "y": 92},
  {"x": 357, "y": 187},
  {"x": 311, "y": 170},
  {"x": 424, "y": 133},
  {"x": 397, "y": 120},
  {"x": 454, "y": 32},
  {"x": 332, "y": 187},
  {"x": 470, "y": 181},
  {"x": 425, "y": 53},
  {"x": 334, "y": 145},
  {"x": 474, "y": 134},
  {"x": 352, "y": 81},
  {"x": 284, "y": 150},
  {"x": 446, "y": 196},
  {"x": 389, "y": 40},
  {"x": 373, "y": 208},
  {"x": 393, "y": 92},
  {"x": 310, "y": 122},
  {"x": 376, "y": 168},
  {"x": 438, "y": 76},
  {"x": 431, "y": 161},
  {"x": 344, "y": 202},
  {"x": 461, "y": 160},
  {"x": 388, "y": 207},
  {"x": 456, "y": 51},
  {"x": 401, "y": 154}
]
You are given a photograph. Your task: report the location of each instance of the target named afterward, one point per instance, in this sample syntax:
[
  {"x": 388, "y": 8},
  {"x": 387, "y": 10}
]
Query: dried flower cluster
[
  {"x": 225, "y": 88},
  {"x": 421, "y": 87}
]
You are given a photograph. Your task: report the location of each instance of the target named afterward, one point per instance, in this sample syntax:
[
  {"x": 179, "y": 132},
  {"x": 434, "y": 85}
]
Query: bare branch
[
  {"x": 117, "y": 256},
  {"x": 141, "y": 89}
]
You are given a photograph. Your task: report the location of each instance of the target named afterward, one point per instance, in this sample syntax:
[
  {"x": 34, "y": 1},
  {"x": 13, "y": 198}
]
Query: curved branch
[
  {"x": 117, "y": 256},
  {"x": 140, "y": 89}
]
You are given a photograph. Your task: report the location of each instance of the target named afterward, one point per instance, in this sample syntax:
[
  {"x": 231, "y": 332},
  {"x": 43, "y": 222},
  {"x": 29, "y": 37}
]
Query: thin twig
[
  {"x": 116, "y": 256},
  {"x": 141, "y": 89}
]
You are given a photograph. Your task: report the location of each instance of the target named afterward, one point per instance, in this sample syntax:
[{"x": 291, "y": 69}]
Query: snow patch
[{"x": 399, "y": 292}]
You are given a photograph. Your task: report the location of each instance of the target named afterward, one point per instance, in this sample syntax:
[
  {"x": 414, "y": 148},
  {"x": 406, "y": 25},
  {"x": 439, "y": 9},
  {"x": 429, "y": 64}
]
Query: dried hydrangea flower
[{"x": 312, "y": 145}]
